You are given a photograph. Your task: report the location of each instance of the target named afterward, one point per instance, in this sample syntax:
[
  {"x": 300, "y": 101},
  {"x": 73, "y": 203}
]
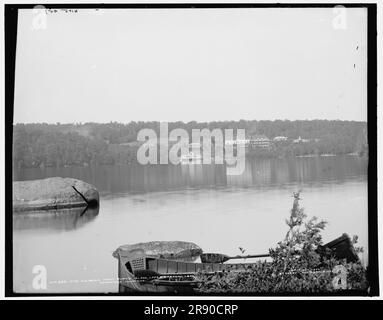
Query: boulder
[
  {"x": 52, "y": 194},
  {"x": 160, "y": 249}
]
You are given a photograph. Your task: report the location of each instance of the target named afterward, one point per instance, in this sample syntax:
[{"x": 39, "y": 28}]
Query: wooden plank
[
  {"x": 153, "y": 265},
  {"x": 199, "y": 267},
  {"x": 181, "y": 267},
  {"x": 172, "y": 267},
  {"x": 162, "y": 266},
  {"x": 190, "y": 267},
  {"x": 210, "y": 267}
]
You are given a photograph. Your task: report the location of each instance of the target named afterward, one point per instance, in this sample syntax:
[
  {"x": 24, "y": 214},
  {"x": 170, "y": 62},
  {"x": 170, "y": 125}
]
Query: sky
[{"x": 191, "y": 64}]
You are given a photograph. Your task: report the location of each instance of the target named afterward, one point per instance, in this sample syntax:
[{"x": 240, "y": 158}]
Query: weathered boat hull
[
  {"x": 172, "y": 276},
  {"x": 152, "y": 273},
  {"x": 128, "y": 283}
]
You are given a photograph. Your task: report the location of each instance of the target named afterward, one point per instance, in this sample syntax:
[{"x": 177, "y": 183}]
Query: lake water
[{"x": 197, "y": 203}]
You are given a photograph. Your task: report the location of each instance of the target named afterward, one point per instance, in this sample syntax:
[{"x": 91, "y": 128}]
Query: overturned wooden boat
[
  {"x": 144, "y": 273},
  {"x": 150, "y": 271}
]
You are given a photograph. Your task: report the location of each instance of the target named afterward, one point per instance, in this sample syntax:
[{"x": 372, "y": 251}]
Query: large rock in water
[
  {"x": 160, "y": 249},
  {"x": 53, "y": 193}
]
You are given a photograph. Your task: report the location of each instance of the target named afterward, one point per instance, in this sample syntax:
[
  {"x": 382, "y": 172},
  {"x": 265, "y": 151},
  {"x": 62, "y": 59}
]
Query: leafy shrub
[{"x": 296, "y": 267}]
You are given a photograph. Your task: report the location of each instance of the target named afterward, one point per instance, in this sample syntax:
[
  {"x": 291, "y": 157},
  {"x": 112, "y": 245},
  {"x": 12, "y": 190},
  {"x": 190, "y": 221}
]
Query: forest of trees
[{"x": 41, "y": 144}]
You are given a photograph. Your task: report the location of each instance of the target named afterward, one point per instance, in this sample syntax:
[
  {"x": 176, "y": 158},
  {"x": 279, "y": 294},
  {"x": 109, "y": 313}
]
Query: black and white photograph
[{"x": 192, "y": 151}]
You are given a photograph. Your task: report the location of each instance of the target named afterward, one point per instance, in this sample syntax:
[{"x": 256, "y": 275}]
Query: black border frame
[{"x": 11, "y": 19}]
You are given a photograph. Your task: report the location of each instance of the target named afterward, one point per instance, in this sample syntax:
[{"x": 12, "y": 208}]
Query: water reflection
[
  {"x": 258, "y": 172},
  {"x": 62, "y": 220},
  {"x": 263, "y": 172}
]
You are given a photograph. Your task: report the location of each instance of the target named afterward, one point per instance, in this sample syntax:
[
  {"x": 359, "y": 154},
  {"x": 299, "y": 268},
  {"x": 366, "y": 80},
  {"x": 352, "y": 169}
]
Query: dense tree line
[
  {"x": 327, "y": 144},
  {"x": 35, "y": 146},
  {"x": 41, "y": 144}
]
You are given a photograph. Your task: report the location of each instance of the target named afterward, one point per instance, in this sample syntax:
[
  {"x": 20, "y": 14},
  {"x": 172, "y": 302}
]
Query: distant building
[
  {"x": 194, "y": 145},
  {"x": 280, "y": 138},
  {"x": 245, "y": 142},
  {"x": 300, "y": 140},
  {"x": 260, "y": 141},
  {"x": 229, "y": 142}
]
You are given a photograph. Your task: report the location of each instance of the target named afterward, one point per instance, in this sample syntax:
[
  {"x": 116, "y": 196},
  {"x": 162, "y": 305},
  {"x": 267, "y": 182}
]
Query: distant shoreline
[{"x": 309, "y": 156}]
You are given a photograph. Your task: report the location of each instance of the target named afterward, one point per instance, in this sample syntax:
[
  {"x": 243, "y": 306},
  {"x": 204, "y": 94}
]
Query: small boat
[
  {"x": 140, "y": 272},
  {"x": 144, "y": 273}
]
